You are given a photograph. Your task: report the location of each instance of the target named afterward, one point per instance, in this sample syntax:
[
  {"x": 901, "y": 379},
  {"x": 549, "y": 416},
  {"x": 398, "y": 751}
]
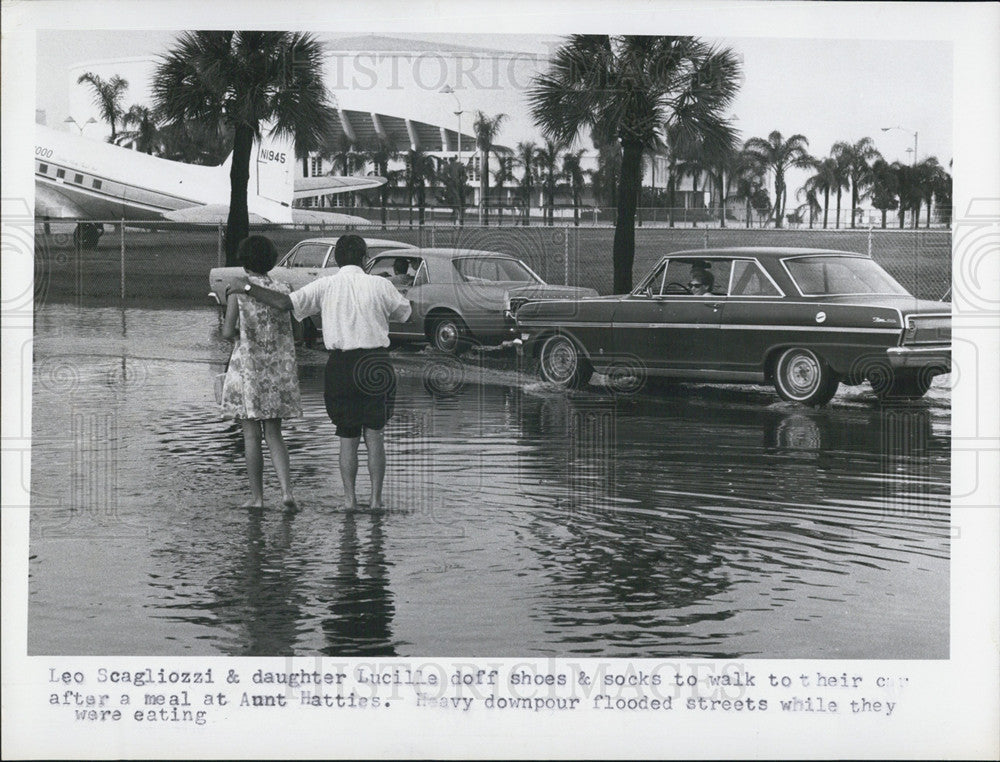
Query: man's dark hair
[
  {"x": 257, "y": 253},
  {"x": 400, "y": 265},
  {"x": 350, "y": 250}
]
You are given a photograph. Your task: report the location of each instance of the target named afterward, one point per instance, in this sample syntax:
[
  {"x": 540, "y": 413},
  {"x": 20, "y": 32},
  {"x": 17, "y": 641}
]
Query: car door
[
  {"x": 382, "y": 266},
  {"x": 752, "y": 318},
  {"x": 306, "y": 262},
  {"x": 667, "y": 328}
]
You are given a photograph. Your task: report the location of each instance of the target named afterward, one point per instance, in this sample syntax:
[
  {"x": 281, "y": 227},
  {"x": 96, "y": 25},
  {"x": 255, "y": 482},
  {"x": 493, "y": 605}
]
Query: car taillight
[{"x": 934, "y": 329}]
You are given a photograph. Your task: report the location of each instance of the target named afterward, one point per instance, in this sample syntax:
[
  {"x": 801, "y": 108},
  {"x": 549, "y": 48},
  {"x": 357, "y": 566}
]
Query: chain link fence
[{"x": 167, "y": 265}]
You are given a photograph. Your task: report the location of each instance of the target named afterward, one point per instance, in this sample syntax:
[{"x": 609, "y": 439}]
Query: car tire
[
  {"x": 561, "y": 362},
  {"x": 905, "y": 385},
  {"x": 450, "y": 334},
  {"x": 800, "y": 375}
]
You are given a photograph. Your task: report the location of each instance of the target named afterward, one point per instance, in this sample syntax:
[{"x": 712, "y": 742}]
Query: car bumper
[{"x": 920, "y": 357}]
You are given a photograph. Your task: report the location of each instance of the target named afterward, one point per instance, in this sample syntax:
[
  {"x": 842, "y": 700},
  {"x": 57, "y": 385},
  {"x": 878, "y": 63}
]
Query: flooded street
[{"x": 523, "y": 521}]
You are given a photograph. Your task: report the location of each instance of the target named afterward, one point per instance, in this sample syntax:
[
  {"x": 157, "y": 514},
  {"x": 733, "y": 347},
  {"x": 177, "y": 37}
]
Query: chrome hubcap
[
  {"x": 447, "y": 336},
  {"x": 560, "y": 360},
  {"x": 802, "y": 374}
]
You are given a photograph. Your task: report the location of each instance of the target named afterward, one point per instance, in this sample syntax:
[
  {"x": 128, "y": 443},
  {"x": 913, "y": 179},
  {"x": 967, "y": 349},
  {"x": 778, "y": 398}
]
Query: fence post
[
  {"x": 432, "y": 237},
  {"x": 565, "y": 256},
  {"x": 705, "y": 238},
  {"x": 122, "y": 237}
]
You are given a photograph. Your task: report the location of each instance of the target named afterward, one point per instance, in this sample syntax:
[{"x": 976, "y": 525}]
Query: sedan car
[
  {"x": 305, "y": 262},
  {"x": 805, "y": 320},
  {"x": 463, "y": 296}
]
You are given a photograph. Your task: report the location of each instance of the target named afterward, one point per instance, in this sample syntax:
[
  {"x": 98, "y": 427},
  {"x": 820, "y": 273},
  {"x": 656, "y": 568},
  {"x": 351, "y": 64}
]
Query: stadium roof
[{"x": 372, "y": 43}]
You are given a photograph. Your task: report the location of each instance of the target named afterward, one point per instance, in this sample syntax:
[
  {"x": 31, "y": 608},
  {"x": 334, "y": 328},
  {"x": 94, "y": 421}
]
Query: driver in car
[{"x": 701, "y": 282}]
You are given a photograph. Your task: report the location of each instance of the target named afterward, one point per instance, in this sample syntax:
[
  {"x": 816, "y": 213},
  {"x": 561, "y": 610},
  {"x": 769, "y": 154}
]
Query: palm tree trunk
[
  {"x": 722, "y": 198},
  {"x": 671, "y": 185},
  {"x": 484, "y": 187},
  {"x": 623, "y": 251},
  {"x": 928, "y": 225},
  {"x": 883, "y": 219},
  {"x": 854, "y": 202},
  {"x": 749, "y": 214},
  {"x": 238, "y": 223},
  {"x": 916, "y": 215},
  {"x": 902, "y": 216},
  {"x": 779, "y": 190},
  {"x": 826, "y": 206},
  {"x": 837, "y": 220}
]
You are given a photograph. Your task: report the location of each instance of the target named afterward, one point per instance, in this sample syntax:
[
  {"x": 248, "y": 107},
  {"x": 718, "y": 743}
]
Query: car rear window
[
  {"x": 493, "y": 270},
  {"x": 308, "y": 255},
  {"x": 840, "y": 276}
]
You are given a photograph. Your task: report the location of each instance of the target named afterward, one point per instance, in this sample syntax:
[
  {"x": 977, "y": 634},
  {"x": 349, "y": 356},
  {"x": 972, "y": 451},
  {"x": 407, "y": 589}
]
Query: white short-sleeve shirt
[{"x": 355, "y": 308}]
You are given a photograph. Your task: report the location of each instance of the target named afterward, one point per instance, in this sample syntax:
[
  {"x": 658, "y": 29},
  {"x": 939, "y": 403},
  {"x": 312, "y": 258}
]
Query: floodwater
[{"x": 523, "y": 521}]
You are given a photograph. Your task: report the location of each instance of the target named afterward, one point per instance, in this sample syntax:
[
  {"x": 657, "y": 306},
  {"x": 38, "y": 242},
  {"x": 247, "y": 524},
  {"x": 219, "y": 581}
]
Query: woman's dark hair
[
  {"x": 257, "y": 253},
  {"x": 350, "y": 250}
]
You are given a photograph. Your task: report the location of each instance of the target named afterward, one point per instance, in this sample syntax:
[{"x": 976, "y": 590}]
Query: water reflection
[{"x": 360, "y": 609}]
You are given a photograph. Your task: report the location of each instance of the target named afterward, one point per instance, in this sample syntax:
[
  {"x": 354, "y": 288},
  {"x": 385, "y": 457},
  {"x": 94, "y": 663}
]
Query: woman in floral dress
[{"x": 261, "y": 385}]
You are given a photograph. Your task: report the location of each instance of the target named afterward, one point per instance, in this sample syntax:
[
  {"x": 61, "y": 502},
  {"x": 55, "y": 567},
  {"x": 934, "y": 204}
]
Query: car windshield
[
  {"x": 838, "y": 276},
  {"x": 493, "y": 270}
]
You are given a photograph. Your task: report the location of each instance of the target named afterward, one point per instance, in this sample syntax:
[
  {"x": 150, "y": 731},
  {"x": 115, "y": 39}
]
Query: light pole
[
  {"x": 71, "y": 120},
  {"x": 908, "y": 132},
  {"x": 449, "y": 90}
]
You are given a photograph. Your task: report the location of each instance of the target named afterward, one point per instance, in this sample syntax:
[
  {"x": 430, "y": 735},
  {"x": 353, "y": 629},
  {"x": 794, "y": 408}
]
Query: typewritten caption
[{"x": 197, "y": 697}]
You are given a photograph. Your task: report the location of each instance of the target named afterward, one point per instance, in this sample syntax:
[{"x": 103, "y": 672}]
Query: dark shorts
[{"x": 359, "y": 389}]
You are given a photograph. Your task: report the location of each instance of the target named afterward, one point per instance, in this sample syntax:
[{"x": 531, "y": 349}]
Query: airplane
[{"x": 91, "y": 181}]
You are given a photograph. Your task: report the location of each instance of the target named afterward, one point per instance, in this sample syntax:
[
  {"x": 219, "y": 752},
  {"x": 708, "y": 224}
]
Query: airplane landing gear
[{"x": 87, "y": 234}]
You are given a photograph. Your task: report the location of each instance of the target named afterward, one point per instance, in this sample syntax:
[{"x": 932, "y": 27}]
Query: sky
[{"x": 826, "y": 89}]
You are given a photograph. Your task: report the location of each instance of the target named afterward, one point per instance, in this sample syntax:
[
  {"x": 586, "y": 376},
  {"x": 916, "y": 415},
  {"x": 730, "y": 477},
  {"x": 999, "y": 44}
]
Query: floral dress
[{"x": 262, "y": 381}]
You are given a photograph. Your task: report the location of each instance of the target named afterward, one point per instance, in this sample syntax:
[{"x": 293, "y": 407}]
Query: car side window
[
  {"x": 308, "y": 255},
  {"x": 421, "y": 277},
  {"x": 381, "y": 266},
  {"x": 750, "y": 280}
]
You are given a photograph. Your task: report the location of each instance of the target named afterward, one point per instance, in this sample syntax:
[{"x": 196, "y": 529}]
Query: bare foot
[
  {"x": 289, "y": 502},
  {"x": 376, "y": 505},
  {"x": 254, "y": 502}
]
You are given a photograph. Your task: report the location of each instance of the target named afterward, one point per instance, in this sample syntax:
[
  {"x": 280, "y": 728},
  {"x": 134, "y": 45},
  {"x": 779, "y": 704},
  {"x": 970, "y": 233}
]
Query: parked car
[
  {"x": 465, "y": 296},
  {"x": 305, "y": 262},
  {"x": 805, "y": 320}
]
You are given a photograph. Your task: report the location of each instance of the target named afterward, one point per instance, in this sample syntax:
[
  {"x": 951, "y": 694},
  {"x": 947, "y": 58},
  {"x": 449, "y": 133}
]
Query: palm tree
[
  {"x": 942, "y": 195},
  {"x": 907, "y": 183},
  {"x": 884, "y": 187},
  {"x": 572, "y": 172},
  {"x": 380, "y": 152},
  {"x": 420, "y": 171},
  {"x": 749, "y": 175},
  {"x": 930, "y": 177},
  {"x": 502, "y": 175},
  {"x": 108, "y": 96},
  {"x": 486, "y": 129},
  {"x": 452, "y": 175},
  {"x": 812, "y": 202},
  {"x": 546, "y": 162},
  {"x": 628, "y": 88},
  {"x": 856, "y": 158},
  {"x": 777, "y": 155},
  {"x": 524, "y": 157},
  {"x": 146, "y": 133},
  {"x": 604, "y": 179},
  {"x": 825, "y": 179},
  {"x": 246, "y": 79}
]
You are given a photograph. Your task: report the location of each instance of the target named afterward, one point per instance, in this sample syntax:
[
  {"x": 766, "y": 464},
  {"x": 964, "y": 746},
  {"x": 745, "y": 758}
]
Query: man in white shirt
[{"x": 359, "y": 382}]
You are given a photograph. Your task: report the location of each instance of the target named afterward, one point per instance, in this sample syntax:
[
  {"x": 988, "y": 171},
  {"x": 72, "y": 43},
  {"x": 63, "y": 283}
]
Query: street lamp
[
  {"x": 449, "y": 90},
  {"x": 908, "y": 132},
  {"x": 71, "y": 120}
]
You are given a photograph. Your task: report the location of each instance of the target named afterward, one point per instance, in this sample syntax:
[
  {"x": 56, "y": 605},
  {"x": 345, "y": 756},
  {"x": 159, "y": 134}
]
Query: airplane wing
[
  {"x": 209, "y": 214},
  {"x": 310, "y": 187},
  {"x": 332, "y": 219}
]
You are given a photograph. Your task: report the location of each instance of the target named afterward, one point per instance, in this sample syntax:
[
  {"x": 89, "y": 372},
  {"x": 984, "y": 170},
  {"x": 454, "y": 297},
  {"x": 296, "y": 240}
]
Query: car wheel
[
  {"x": 450, "y": 334},
  {"x": 562, "y": 363},
  {"x": 905, "y": 385},
  {"x": 800, "y": 375}
]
